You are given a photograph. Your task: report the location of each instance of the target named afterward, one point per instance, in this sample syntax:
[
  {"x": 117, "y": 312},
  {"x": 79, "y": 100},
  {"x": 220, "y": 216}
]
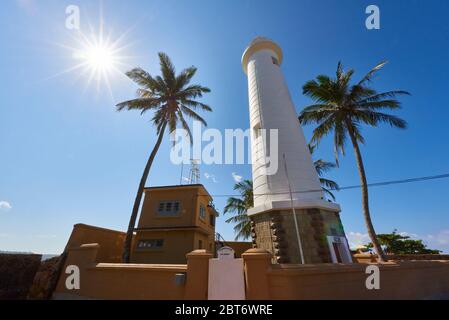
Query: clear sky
[{"x": 68, "y": 157}]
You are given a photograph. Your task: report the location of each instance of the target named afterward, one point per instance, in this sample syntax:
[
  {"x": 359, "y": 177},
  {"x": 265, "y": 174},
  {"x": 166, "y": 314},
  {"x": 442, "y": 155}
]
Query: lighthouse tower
[{"x": 291, "y": 217}]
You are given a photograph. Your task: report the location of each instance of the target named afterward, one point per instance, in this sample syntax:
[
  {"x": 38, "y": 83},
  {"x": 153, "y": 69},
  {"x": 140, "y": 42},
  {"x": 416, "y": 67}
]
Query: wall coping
[
  {"x": 199, "y": 254},
  {"x": 237, "y": 242},
  {"x": 256, "y": 254},
  {"x": 87, "y": 246},
  {"x": 87, "y": 226},
  {"x": 405, "y": 256},
  {"x": 354, "y": 267},
  {"x": 139, "y": 267}
]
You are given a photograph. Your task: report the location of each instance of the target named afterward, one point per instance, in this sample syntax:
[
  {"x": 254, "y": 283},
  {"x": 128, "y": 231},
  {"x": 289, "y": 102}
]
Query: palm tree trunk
[
  {"x": 365, "y": 202},
  {"x": 138, "y": 200}
]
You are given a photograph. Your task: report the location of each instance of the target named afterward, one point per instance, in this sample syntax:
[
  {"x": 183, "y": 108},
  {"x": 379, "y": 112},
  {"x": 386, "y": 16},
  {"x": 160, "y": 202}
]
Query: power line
[{"x": 376, "y": 184}]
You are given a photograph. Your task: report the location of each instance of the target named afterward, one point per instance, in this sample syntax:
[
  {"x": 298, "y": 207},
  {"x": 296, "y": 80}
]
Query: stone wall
[
  {"x": 42, "y": 280},
  {"x": 17, "y": 272},
  {"x": 275, "y": 232}
]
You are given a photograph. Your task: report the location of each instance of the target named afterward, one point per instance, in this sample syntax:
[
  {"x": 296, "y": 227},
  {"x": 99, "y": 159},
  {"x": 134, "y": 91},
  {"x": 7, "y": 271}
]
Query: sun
[{"x": 98, "y": 58}]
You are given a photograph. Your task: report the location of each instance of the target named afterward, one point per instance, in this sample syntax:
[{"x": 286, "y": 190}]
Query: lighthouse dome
[{"x": 257, "y": 44}]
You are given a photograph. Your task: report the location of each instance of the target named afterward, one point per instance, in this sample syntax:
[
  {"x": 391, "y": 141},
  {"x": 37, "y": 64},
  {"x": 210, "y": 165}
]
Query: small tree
[{"x": 395, "y": 243}]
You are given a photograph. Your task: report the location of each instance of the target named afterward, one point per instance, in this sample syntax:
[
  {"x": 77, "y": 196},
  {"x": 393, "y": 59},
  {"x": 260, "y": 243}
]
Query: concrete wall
[
  {"x": 207, "y": 241},
  {"x": 190, "y": 198},
  {"x": 134, "y": 281},
  {"x": 263, "y": 280},
  {"x": 398, "y": 280},
  {"x": 110, "y": 241},
  {"x": 181, "y": 233},
  {"x": 239, "y": 247},
  {"x": 177, "y": 244}
]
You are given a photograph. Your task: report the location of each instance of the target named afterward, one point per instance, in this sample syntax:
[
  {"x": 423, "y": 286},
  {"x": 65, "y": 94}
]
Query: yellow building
[{"x": 174, "y": 221}]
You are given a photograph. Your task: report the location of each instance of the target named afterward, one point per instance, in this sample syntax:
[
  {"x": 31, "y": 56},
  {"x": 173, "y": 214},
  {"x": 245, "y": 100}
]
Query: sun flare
[
  {"x": 100, "y": 57},
  {"x": 97, "y": 58}
]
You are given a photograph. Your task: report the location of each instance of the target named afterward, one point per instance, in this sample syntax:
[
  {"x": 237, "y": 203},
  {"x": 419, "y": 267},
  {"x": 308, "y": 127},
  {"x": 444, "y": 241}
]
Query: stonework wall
[
  {"x": 275, "y": 232},
  {"x": 17, "y": 272},
  {"x": 47, "y": 271}
]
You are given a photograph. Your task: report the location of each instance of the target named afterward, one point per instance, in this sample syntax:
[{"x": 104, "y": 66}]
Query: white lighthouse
[{"x": 294, "y": 186}]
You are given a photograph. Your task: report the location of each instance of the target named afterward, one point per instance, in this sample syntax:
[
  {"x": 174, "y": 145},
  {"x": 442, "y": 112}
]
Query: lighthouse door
[{"x": 339, "y": 249}]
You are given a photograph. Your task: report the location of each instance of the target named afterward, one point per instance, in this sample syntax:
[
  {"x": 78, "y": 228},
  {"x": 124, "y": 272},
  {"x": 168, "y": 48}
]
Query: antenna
[
  {"x": 194, "y": 176},
  {"x": 182, "y": 172}
]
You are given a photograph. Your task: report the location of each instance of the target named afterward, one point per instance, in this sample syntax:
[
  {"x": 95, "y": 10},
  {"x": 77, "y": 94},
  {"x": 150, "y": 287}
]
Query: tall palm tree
[
  {"x": 321, "y": 167},
  {"x": 342, "y": 108},
  {"x": 171, "y": 98},
  {"x": 240, "y": 205}
]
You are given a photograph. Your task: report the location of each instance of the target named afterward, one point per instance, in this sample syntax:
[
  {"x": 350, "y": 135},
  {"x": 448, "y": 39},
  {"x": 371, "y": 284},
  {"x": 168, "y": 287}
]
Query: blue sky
[{"x": 68, "y": 157}]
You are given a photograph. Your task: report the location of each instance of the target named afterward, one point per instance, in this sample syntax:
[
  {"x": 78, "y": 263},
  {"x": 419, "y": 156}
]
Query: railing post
[
  {"x": 257, "y": 263},
  {"x": 197, "y": 275}
]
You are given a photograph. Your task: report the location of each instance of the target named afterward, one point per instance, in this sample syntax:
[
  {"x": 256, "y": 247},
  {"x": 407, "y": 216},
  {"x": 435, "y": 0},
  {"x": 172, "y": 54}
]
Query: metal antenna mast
[{"x": 194, "y": 176}]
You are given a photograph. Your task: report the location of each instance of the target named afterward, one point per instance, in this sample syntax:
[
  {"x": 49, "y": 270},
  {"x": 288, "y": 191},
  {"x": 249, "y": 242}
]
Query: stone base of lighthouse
[{"x": 322, "y": 236}]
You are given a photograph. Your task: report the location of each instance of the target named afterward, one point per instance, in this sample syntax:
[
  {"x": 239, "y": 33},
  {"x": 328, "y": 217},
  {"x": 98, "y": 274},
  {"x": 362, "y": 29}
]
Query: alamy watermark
[
  {"x": 72, "y": 282},
  {"x": 73, "y": 18},
  {"x": 372, "y": 282},
  {"x": 372, "y": 22},
  {"x": 234, "y": 147}
]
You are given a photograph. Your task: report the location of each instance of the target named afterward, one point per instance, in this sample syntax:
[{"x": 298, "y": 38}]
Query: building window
[
  {"x": 275, "y": 61},
  {"x": 202, "y": 212},
  {"x": 150, "y": 244},
  {"x": 212, "y": 220},
  {"x": 200, "y": 244},
  {"x": 168, "y": 208}
]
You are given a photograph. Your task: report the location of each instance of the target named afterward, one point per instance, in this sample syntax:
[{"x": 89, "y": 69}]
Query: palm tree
[
  {"x": 342, "y": 108},
  {"x": 322, "y": 166},
  {"x": 240, "y": 206},
  {"x": 171, "y": 98}
]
